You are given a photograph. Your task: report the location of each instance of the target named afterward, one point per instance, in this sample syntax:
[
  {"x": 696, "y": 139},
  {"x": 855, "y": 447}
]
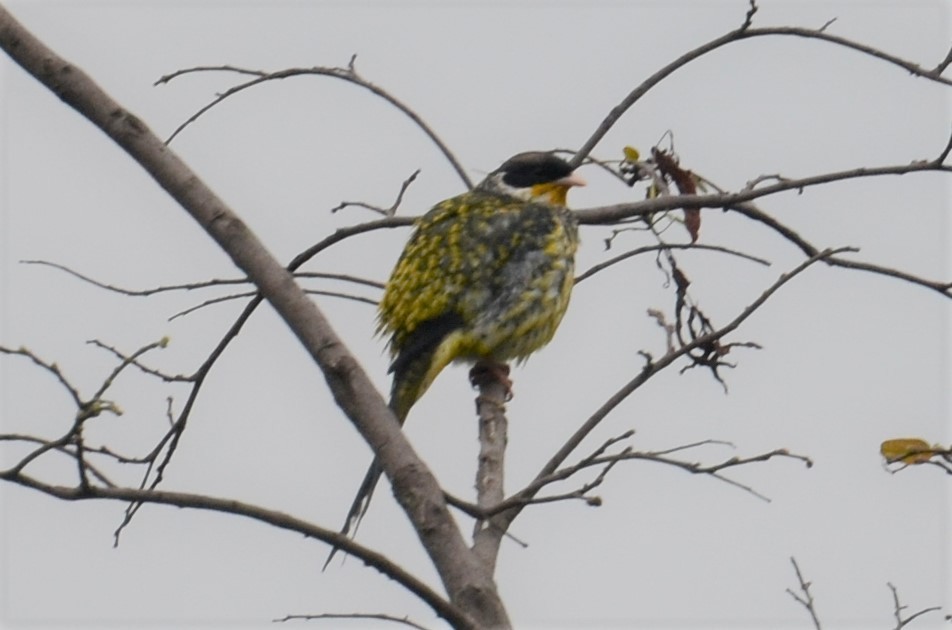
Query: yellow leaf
[
  {"x": 906, "y": 450},
  {"x": 631, "y": 154}
]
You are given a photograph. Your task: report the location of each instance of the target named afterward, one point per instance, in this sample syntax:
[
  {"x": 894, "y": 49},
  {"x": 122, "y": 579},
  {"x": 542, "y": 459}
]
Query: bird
[{"x": 485, "y": 278}]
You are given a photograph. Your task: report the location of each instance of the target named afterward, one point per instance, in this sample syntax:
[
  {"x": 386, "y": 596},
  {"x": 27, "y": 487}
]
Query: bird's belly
[{"x": 514, "y": 329}]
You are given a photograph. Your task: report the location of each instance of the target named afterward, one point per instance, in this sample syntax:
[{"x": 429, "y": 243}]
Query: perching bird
[{"x": 485, "y": 277}]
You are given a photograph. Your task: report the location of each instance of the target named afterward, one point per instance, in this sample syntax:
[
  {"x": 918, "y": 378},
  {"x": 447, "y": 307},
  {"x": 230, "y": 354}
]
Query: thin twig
[
  {"x": 752, "y": 212},
  {"x": 387, "y": 212},
  {"x": 52, "y": 368},
  {"x": 133, "y": 360},
  {"x": 942, "y": 65},
  {"x": 749, "y": 17},
  {"x": 65, "y": 449},
  {"x": 348, "y": 74},
  {"x": 806, "y": 597},
  {"x": 712, "y": 470},
  {"x": 204, "y": 284},
  {"x": 125, "y": 362},
  {"x": 898, "y": 608},
  {"x": 662, "y": 247},
  {"x": 250, "y": 294},
  {"x": 192, "y": 286},
  {"x": 375, "y": 616}
]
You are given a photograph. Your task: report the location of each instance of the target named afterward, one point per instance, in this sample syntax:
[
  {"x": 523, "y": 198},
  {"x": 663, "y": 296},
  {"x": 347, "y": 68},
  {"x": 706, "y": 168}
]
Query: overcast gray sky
[{"x": 848, "y": 361}]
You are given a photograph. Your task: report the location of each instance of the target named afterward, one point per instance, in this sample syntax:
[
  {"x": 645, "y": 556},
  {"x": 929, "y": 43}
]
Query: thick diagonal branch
[{"x": 469, "y": 586}]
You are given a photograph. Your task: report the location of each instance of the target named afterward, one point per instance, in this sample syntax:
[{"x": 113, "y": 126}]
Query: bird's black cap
[{"x": 533, "y": 167}]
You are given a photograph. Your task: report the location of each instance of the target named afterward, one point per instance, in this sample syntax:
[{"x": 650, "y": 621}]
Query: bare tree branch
[
  {"x": 469, "y": 585},
  {"x": 356, "y": 616},
  {"x": 746, "y": 31},
  {"x": 387, "y": 212},
  {"x": 52, "y": 368},
  {"x": 66, "y": 449},
  {"x": 751, "y": 211},
  {"x": 192, "y": 286},
  {"x": 71, "y": 442},
  {"x": 348, "y": 74},
  {"x": 607, "y": 461},
  {"x": 611, "y": 214},
  {"x": 666, "y": 246},
  {"x": 277, "y": 519},
  {"x": 899, "y": 608},
  {"x": 805, "y": 597},
  {"x": 740, "y": 202},
  {"x": 250, "y": 294},
  {"x": 942, "y": 65},
  {"x": 490, "y": 472},
  {"x": 650, "y": 370},
  {"x": 132, "y": 359}
]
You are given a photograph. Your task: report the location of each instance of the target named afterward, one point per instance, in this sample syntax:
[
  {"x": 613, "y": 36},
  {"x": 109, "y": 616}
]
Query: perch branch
[{"x": 493, "y": 438}]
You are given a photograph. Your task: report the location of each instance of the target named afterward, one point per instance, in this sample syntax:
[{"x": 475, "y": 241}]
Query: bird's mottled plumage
[{"x": 486, "y": 276}]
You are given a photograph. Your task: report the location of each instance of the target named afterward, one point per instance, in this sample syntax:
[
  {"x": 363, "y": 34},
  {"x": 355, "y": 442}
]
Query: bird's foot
[{"x": 488, "y": 372}]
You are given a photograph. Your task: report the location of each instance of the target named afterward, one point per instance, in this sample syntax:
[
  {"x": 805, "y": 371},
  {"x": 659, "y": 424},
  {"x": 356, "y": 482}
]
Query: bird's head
[{"x": 534, "y": 176}]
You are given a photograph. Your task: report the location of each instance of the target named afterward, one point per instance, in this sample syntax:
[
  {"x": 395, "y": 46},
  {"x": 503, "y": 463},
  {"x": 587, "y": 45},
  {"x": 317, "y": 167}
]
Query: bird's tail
[
  {"x": 413, "y": 372},
  {"x": 359, "y": 507},
  {"x": 400, "y": 404}
]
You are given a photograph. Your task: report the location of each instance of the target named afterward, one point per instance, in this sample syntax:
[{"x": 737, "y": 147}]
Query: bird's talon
[{"x": 485, "y": 373}]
